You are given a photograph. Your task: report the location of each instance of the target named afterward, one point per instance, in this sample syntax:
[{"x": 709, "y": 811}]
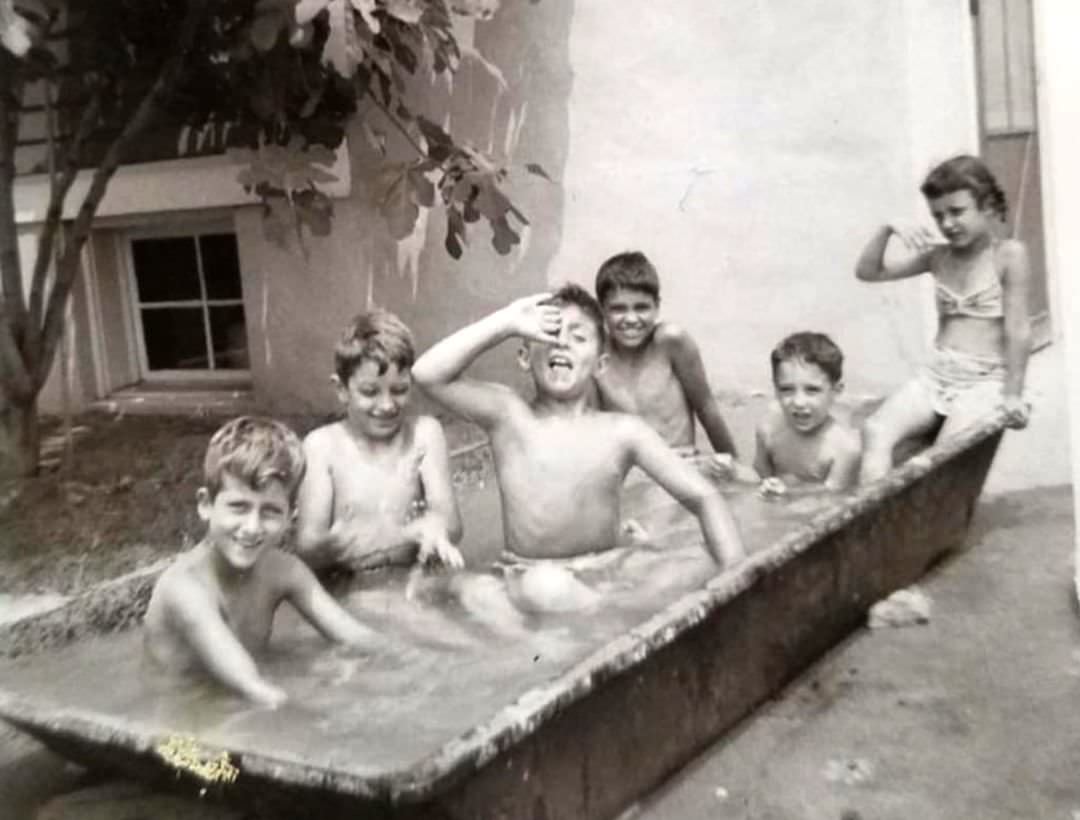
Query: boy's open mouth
[{"x": 559, "y": 360}]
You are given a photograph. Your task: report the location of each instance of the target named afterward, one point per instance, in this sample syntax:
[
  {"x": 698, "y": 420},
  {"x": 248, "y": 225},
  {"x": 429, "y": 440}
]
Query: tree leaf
[
  {"x": 399, "y": 209},
  {"x": 504, "y": 237},
  {"x": 407, "y": 11},
  {"x": 267, "y": 25},
  {"x": 423, "y": 189},
  {"x": 455, "y": 233},
  {"x": 376, "y": 139},
  {"x": 341, "y": 50},
  {"x": 307, "y": 10},
  {"x": 536, "y": 168},
  {"x": 366, "y": 8}
]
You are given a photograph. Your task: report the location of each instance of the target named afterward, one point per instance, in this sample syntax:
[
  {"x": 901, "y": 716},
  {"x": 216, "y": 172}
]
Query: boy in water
[
  {"x": 800, "y": 442},
  {"x": 370, "y": 473},
  {"x": 214, "y": 606},
  {"x": 561, "y": 464},
  {"x": 654, "y": 368}
]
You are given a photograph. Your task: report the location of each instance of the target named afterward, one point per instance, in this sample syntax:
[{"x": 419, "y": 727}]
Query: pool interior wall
[{"x": 587, "y": 742}]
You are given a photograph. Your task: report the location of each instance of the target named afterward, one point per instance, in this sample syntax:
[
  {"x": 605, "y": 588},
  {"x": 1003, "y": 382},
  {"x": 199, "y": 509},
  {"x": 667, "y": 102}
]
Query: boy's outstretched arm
[
  {"x": 690, "y": 370},
  {"x": 687, "y": 486},
  {"x": 438, "y": 371},
  {"x": 439, "y": 527},
  {"x": 320, "y": 609},
  {"x": 189, "y": 611}
]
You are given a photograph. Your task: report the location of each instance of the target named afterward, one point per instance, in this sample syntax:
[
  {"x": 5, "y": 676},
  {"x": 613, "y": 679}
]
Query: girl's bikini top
[{"x": 984, "y": 301}]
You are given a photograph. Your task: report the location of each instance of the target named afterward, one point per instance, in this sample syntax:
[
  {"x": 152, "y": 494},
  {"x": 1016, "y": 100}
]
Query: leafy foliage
[{"x": 274, "y": 81}]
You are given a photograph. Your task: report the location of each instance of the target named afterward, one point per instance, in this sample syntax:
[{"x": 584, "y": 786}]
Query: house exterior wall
[{"x": 748, "y": 147}]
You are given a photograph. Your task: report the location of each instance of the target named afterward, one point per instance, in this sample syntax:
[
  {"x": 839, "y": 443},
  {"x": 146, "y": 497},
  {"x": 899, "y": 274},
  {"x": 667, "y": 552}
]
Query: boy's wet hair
[
  {"x": 378, "y": 336},
  {"x": 631, "y": 269},
  {"x": 966, "y": 173},
  {"x": 256, "y": 451},
  {"x": 571, "y": 294},
  {"x": 810, "y": 348}
]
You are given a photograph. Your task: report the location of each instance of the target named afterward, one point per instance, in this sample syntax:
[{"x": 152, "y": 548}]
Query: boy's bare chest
[
  {"x": 367, "y": 483},
  {"x": 249, "y": 613},
  {"x": 804, "y": 457},
  {"x": 570, "y": 453},
  {"x": 642, "y": 388}
]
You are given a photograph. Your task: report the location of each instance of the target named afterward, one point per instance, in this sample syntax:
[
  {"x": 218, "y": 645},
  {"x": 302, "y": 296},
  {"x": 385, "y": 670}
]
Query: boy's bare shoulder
[
  {"x": 323, "y": 438},
  {"x": 673, "y": 338},
  {"x": 182, "y": 587}
]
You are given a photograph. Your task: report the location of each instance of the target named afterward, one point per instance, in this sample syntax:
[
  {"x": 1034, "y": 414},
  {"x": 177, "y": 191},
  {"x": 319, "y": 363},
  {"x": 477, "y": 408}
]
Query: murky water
[{"x": 446, "y": 671}]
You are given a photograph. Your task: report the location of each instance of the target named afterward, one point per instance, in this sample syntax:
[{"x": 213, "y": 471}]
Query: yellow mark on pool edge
[{"x": 184, "y": 754}]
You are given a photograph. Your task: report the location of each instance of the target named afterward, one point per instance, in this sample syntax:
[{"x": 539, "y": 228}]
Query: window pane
[
  {"x": 175, "y": 339},
  {"x": 165, "y": 269},
  {"x": 229, "y": 333},
  {"x": 221, "y": 265}
]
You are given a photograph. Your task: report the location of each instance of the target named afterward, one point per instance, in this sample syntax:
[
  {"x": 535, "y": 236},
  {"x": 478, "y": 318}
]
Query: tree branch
[
  {"x": 395, "y": 122},
  {"x": 68, "y": 266},
  {"x": 12, "y": 297},
  {"x": 54, "y": 214}
]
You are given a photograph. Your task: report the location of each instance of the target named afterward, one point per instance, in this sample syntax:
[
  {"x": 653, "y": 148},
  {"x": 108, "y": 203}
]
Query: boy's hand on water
[
  {"x": 918, "y": 237},
  {"x": 534, "y": 318},
  {"x": 719, "y": 467},
  {"x": 1017, "y": 412},
  {"x": 772, "y": 487},
  {"x": 435, "y": 547}
]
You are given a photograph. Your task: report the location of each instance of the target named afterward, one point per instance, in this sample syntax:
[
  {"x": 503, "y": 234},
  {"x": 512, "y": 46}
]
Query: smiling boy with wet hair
[
  {"x": 213, "y": 608},
  {"x": 560, "y": 463},
  {"x": 377, "y": 488},
  {"x": 654, "y": 368}
]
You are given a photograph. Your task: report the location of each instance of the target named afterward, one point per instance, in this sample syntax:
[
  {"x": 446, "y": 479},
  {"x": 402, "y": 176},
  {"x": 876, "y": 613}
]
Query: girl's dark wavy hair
[{"x": 966, "y": 173}]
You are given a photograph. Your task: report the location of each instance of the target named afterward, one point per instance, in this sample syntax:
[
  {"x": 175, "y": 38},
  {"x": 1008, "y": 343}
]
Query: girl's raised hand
[
  {"x": 916, "y": 236},
  {"x": 535, "y": 318}
]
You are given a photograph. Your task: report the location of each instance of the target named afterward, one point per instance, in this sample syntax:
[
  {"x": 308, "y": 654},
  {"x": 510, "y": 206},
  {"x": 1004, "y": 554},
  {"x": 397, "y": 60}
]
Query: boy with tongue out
[{"x": 560, "y": 463}]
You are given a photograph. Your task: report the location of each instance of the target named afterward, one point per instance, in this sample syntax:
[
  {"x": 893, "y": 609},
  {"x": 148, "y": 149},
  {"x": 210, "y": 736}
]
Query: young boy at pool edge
[
  {"x": 654, "y": 368},
  {"x": 799, "y": 442},
  {"x": 560, "y": 464},
  {"x": 214, "y": 606},
  {"x": 377, "y": 488}
]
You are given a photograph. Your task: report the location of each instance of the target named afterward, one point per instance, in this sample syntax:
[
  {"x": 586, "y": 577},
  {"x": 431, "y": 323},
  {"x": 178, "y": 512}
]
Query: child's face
[
  {"x": 242, "y": 522},
  {"x": 376, "y": 402},
  {"x": 631, "y": 316},
  {"x": 806, "y": 394},
  {"x": 564, "y": 368},
  {"x": 960, "y": 218}
]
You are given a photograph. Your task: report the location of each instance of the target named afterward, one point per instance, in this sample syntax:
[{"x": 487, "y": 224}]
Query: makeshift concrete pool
[{"x": 576, "y": 720}]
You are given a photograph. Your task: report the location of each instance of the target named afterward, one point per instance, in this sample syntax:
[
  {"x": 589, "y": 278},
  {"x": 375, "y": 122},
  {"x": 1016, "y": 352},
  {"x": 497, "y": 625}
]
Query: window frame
[{"x": 193, "y": 230}]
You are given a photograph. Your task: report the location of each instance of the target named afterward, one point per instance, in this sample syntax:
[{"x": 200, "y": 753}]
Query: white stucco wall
[{"x": 749, "y": 147}]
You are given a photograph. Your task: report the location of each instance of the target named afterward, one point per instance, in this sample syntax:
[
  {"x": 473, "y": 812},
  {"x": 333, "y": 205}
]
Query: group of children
[{"x": 614, "y": 389}]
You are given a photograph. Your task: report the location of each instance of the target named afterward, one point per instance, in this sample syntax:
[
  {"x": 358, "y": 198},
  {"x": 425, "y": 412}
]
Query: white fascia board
[{"x": 197, "y": 183}]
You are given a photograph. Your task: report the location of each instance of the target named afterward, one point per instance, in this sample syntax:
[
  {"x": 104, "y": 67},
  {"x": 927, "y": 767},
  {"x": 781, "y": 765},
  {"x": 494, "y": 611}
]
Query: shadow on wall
[{"x": 510, "y": 98}]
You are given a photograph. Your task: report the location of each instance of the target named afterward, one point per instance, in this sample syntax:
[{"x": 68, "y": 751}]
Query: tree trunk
[{"x": 19, "y": 421}]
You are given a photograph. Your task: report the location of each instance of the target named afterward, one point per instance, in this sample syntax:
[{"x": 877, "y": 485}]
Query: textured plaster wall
[{"x": 749, "y": 147}]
